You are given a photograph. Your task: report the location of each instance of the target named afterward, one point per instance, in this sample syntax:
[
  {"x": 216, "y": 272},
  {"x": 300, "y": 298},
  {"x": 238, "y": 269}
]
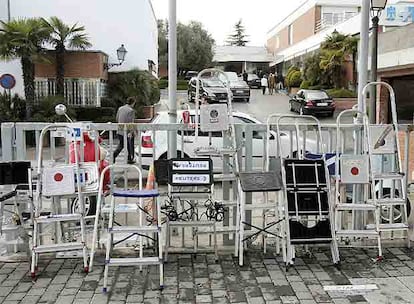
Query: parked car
[
  {"x": 254, "y": 81},
  {"x": 161, "y": 146},
  {"x": 211, "y": 89},
  {"x": 239, "y": 88},
  {"x": 312, "y": 102},
  {"x": 190, "y": 74}
]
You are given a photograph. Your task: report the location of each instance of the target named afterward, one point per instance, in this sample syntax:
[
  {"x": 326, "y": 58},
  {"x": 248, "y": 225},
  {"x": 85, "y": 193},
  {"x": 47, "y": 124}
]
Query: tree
[
  {"x": 194, "y": 46},
  {"x": 238, "y": 38},
  {"x": 312, "y": 71},
  {"x": 334, "y": 50},
  {"x": 23, "y": 39},
  {"x": 61, "y": 37}
]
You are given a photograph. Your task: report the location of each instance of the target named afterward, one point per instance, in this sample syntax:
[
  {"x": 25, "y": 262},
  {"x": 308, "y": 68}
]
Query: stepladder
[
  {"x": 357, "y": 212},
  {"x": 307, "y": 202},
  {"x": 58, "y": 183},
  {"x": 141, "y": 213}
]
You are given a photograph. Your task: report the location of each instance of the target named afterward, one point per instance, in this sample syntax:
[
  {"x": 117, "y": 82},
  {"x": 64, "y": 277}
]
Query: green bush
[
  {"x": 44, "y": 110},
  {"x": 305, "y": 84},
  {"x": 295, "y": 79},
  {"x": 341, "y": 93},
  {"x": 293, "y": 70},
  {"x": 102, "y": 114},
  {"x": 10, "y": 113},
  {"x": 181, "y": 84}
]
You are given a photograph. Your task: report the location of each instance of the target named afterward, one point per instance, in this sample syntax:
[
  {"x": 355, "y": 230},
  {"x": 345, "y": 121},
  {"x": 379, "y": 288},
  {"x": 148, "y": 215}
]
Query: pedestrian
[
  {"x": 264, "y": 83},
  {"x": 245, "y": 76},
  {"x": 125, "y": 115},
  {"x": 271, "y": 81}
]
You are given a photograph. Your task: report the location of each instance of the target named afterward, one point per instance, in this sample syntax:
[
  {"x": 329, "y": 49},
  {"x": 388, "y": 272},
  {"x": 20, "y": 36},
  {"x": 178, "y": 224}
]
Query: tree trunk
[
  {"x": 60, "y": 71},
  {"x": 29, "y": 86}
]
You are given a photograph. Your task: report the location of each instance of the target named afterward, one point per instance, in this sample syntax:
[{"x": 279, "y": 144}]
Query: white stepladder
[
  {"x": 307, "y": 206},
  {"x": 57, "y": 182},
  {"x": 387, "y": 174},
  {"x": 151, "y": 230},
  {"x": 353, "y": 171},
  {"x": 267, "y": 181}
]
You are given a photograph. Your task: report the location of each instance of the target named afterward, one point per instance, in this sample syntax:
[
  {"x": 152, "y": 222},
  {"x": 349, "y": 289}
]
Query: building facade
[{"x": 107, "y": 28}]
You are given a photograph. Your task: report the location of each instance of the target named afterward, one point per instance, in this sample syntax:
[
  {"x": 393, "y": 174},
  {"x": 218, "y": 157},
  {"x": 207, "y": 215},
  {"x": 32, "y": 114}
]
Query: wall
[
  {"x": 77, "y": 65},
  {"x": 109, "y": 24}
]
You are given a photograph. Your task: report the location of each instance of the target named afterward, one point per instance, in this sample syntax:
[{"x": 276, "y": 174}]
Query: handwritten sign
[{"x": 190, "y": 165}]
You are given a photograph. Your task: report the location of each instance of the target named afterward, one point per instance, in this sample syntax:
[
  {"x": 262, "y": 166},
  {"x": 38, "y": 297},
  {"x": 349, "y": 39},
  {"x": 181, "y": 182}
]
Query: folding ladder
[
  {"x": 387, "y": 174},
  {"x": 57, "y": 182},
  {"x": 149, "y": 224},
  {"x": 267, "y": 181},
  {"x": 307, "y": 207},
  {"x": 353, "y": 171}
]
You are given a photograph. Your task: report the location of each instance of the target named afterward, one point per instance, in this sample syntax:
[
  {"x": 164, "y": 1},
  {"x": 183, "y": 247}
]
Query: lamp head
[{"x": 60, "y": 109}]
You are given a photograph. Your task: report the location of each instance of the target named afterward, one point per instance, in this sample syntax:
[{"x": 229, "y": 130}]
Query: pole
[
  {"x": 172, "y": 76},
  {"x": 363, "y": 53},
  {"x": 8, "y": 11},
  {"x": 374, "y": 68}
]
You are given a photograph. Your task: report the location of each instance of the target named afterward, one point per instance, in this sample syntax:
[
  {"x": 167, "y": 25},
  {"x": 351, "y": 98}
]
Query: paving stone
[
  {"x": 29, "y": 299},
  {"x": 15, "y": 296},
  {"x": 65, "y": 299}
]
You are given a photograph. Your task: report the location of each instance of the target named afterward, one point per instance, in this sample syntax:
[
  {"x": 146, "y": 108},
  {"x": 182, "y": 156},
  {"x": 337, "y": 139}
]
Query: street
[{"x": 260, "y": 106}]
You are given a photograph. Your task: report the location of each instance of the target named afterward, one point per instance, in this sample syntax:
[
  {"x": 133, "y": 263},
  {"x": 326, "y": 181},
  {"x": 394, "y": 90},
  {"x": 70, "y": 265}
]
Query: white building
[{"x": 108, "y": 24}]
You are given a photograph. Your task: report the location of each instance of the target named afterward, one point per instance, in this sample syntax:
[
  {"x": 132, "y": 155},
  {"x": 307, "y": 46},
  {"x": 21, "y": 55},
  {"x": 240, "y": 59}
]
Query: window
[
  {"x": 290, "y": 34},
  {"x": 327, "y": 19}
]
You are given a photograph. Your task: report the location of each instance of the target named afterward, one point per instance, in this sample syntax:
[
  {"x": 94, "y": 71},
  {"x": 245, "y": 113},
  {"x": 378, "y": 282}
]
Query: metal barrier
[{"x": 250, "y": 138}]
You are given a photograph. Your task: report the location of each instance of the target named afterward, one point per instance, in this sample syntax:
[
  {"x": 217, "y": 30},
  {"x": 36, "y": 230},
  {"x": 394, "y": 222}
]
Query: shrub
[
  {"x": 44, "y": 111},
  {"x": 292, "y": 71},
  {"x": 295, "y": 79},
  {"x": 305, "y": 84},
  {"x": 7, "y": 113},
  {"x": 181, "y": 84},
  {"x": 341, "y": 93},
  {"x": 102, "y": 114}
]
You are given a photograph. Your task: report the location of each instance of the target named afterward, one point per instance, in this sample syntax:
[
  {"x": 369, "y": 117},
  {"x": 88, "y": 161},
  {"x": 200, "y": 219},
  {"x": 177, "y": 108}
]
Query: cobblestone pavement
[{"x": 199, "y": 279}]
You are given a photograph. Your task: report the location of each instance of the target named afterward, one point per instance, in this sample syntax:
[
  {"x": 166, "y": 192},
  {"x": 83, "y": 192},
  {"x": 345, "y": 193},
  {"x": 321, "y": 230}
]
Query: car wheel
[
  {"x": 331, "y": 114},
  {"x": 397, "y": 213},
  {"x": 90, "y": 205},
  {"x": 291, "y": 107},
  {"x": 247, "y": 99}
]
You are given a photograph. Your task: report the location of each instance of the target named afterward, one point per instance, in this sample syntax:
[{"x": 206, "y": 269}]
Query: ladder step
[
  {"x": 224, "y": 177},
  {"x": 350, "y": 207},
  {"x": 133, "y": 229},
  {"x": 121, "y": 208},
  {"x": 389, "y": 227},
  {"x": 360, "y": 233},
  {"x": 58, "y": 218},
  {"x": 136, "y": 193},
  {"x": 134, "y": 261},
  {"x": 389, "y": 201},
  {"x": 259, "y": 206},
  {"x": 220, "y": 230},
  {"x": 58, "y": 247},
  {"x": 191, "y": 223},
  {"x": 392, "y": 176},
  {"x": 195, "y": 195},
  {"x": 212, "y": 151}
]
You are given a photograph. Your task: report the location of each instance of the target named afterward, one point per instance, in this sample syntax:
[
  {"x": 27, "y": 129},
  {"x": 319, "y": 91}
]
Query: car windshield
[
  {"x": 316, "y": 95},
  {"x": 232, "y": 76},
  {"x": 252, "y": 77},
  {"x": 213, "y": 83}
]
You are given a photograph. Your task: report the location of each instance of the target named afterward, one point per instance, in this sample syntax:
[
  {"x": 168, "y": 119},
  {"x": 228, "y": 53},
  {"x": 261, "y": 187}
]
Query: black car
[
  {"x": 312, "y": 102},
  {"x": 211, "y": 89},
  {"x": 254, "y": 81},
  {"x": 239, "y": 88}
]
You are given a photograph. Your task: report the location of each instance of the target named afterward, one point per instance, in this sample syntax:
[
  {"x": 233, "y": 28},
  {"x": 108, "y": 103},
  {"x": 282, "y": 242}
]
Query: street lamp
[
  {"x": 377, "y": 6},
  {"x": 120, "y": 53}
]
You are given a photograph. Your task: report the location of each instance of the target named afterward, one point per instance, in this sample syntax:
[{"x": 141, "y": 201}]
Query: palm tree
[
  {"x": 23, "y": 39},
  {"x": 63, "y": 36}
]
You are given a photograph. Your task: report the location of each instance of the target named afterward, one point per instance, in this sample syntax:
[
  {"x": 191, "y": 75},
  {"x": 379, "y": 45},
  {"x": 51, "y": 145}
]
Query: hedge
[
  {"x": 341, "y": 93},
  {"x": 102, "y": 114},
  {"x": 181, "y": 84}
]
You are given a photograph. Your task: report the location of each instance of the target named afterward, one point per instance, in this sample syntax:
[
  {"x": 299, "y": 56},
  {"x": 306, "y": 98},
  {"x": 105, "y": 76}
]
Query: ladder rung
[
  {"x": 134, "y": 261},
  {"x": 220, "y": 230},
  {"x": 191, "y": 223},
  {"x": 224, "y": 177},
  {"x": 259, "y": 206},
  {"x": 389, "y": 227},
  {"x": 392, "y": 176},
  {"x": 196, "y": 195},
  {"x": 389, "y": 201},
  {"x": 58, "y": 218},
  {"x": 122, "y": 208},
  {"x": 350, "y": 207},
  {"x": 360, "y": 233},
  {"x": 133, "y": 229},
  {"x": 58, "y": 247}
]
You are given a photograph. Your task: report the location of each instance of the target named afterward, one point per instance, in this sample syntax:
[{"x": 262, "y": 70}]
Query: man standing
[
  {"x": 125, "y": 115},
  {"x": 245, "y": 76},
  {"x": 264, "y": 84}
]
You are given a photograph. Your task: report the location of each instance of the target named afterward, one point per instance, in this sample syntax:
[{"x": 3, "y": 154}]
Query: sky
[{"x": 219, "y": 16}]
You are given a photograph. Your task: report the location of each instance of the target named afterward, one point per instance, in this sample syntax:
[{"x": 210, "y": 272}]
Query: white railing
[{"x": 77, "y": 92}]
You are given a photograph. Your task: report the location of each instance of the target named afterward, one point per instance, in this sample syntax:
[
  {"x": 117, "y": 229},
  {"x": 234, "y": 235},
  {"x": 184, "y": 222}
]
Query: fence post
[
  {"x": 20, "y": 143},
  {"x": 7, "y": 135}
]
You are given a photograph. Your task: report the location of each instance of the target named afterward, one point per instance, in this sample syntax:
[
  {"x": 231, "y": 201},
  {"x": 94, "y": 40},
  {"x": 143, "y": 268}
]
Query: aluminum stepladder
[
  {"x": 150, "y": 230},
  {"x": 57, "y": 182},
  {"x": 387, "y": 174},
  {"x": 16, "y": 205},
  {"x": 353, "y": 168},
  {"x": 228, "y": 151},
  {"x": 266, "y": 182},
  {"x": 191, "y": 190},
  {"x": 307, "y": 206}
]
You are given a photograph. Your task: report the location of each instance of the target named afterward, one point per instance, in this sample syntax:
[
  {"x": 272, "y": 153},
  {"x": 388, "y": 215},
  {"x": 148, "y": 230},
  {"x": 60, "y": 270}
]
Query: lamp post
[
  {"x": 120, "y": 54},
  {"x": 377, "y": 6},
  {"x": 8, "y": 11}
]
